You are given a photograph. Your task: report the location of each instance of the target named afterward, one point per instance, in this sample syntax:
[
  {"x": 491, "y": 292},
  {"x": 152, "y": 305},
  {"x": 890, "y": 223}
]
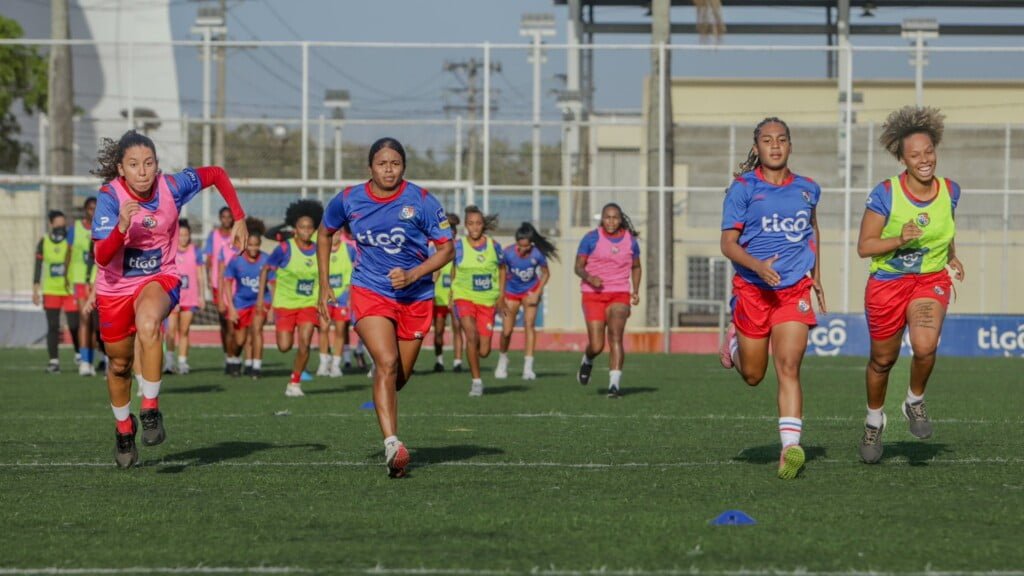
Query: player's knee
[
  {"x": 924, "y": 350},
  {"x": 148, "y": 329},
  {"x": 120, "y": 367},
  {"x": 752, "y": 377},
  {"x": 882, "y": 364},
  {"x": 387, "y": 365},
  {"x": 788, "y": 367}
]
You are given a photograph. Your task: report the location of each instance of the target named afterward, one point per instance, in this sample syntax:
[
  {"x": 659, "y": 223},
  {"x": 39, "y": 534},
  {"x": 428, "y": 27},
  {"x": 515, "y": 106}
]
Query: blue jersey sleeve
[
  {"x": 954, "y": 193},
  {"x": 108, "y": 211},
  {"x": 200, "y": 259},
  {"x": 880, "y": 200},
  {"x": 458, "y": 253},
  {"x": 734, "y": 207},
  {"x": 435, "y": 221},
  {"x": 231, "y": 270},
  {"x": 499, "y": 253},
  {"x": 587, "y": 244},
  {"x": 815, "y": 194},
  {"x": 542, "y": 260},
  {"x": 279, "y": 257},
  {"x": 184, "y": 185},
  {"x": 71, "y": 234},
  {"x": 208, "y": 245},
  {"x": 636, "y": 248},
  {"x": 335, "y": 215},
  {"x": 351, "y": 252}
]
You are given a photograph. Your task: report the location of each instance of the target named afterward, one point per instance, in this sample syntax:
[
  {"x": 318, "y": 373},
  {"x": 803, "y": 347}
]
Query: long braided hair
[{"x": 753, "y": 160}]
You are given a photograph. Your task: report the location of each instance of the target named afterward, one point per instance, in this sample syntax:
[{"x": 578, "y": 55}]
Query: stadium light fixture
[{"x": 337, "y": 101}]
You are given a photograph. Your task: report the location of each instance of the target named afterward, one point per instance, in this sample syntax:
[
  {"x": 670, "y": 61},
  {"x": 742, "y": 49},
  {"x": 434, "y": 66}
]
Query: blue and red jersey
[
  {"x": 183, "y": 186},
  {"x": 244, "y": 273},
  {"x": 589, "y": 242},
  {"x": 773, "y": 220},
  {"x": 523, "y": 275},
  {"x": 391, "y": 232}
]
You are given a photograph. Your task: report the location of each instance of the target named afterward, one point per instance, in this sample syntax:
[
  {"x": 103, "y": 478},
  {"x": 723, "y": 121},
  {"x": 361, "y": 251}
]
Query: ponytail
[{"x": 528, "y": 232}]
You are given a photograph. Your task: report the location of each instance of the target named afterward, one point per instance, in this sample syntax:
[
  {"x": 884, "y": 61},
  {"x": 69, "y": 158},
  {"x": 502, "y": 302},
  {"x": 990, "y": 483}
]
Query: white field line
[
  {"x": 536, "y": 571},
  {"x": 505, "y": 464},
  {"x": 159, "y": 570}
]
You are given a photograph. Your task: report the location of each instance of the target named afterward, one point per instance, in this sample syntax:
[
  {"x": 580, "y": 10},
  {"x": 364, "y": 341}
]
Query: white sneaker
[
  {"x": 168, "y": 363},
  {"x": 501, "y": 372},
  {"x": 335, "y": 372},
  {"x": 477, "y": 389},
  {"x": 396, "y": 457},
  {"x": 529, "y": 375},
  {"x": 294, "y": 391},
  {"x": 78, "y": 359},
  {"x": 372, "y": 371},
  {"x": 323, "y": 369},
  {"x": 183, "y": 368},
  {"x": 85, "y": 369}
]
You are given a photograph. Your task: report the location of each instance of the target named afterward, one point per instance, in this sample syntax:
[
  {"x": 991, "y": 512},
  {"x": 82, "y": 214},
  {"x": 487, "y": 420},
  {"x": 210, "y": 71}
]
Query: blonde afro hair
[{"x": 911, "y": 120}]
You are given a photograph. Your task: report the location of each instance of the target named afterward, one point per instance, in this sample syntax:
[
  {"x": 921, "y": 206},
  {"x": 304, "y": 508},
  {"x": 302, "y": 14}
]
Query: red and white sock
[
  {"x": 296, "y": 378},
  {"x": 150, "y": 394},
  {"x": 123, "y": 415},
  {"x": 789, "y": 430}
]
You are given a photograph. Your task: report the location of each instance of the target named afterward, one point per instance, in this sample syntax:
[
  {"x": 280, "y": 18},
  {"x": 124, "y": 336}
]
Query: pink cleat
[{"x": 725, "y": 354}]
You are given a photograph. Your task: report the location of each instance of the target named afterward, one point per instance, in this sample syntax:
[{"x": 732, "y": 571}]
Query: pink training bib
[
  {"x": 187, "y": 262},
  {"x": 150, "y": 243},
  {"x": 221, "y": 254},
  {"x": 612, "y": 262}
]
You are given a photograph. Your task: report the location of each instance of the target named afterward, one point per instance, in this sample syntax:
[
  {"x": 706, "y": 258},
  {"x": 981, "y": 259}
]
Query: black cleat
[
  {"x": 361, "y": 361},
  {"x": 234, "y": 370},
  {"x": 227, "y": 369},
  {"x": 457, "y": 368},
  {"x": 613, "y": 392},
  {"x": 246, "y": 370},
  {"x": 126, "y": 454},
  {"x": 348, "y": 366},
  {"x": 583, "y": 375},
  {"x": 438, "y": 367},
  {"x": 53, "y": 368},
  {"x": 255, "y": 373},
  {"x": 153, "y": 432}
]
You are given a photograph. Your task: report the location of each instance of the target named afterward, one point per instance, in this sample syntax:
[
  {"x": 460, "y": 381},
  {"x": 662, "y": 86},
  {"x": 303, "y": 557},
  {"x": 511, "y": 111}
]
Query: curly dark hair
[
  {"x": 111, "y": 153},
  {"x": 255, "y": 226},
  {"x": 305, "y": 207},
  {"x": 911, "y": 120}
]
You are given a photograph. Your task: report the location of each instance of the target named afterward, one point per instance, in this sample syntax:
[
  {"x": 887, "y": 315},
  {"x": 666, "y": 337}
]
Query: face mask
[{"x": 59, "y": 233}]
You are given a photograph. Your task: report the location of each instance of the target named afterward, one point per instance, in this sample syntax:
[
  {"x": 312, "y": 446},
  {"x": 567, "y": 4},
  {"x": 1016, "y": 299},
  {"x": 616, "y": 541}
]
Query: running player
[
  {"x": 392, "y": 294},
  {"x": 79, "y": 258},
  {"x": 217, "y": 250},
  {"x": 608, "y": 264},
  {"x": 770, "y": 232},
  {"x": 189, "y": 261},
  {"x": 343, "y": 255},
  {"x": 478, "y": 288},
  {"x": 242, "y": 281},
  {"x": 138, "y": 285},
  {"x": 908, "y": 231},
  {"x": 524, "y": 287},
  {"x": 442, "y": 308},
  {"x": 296, "y": 293},
  {"x": 51, "y": 275}
]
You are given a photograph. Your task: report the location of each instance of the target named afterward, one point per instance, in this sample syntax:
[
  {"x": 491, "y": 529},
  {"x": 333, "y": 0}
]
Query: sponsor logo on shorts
[
  {"x": 418, "y": 335},
  {"x": 939, "y": 291},
  {"x": 923, "y": 219},
  {"x": 804, "y": 306}
]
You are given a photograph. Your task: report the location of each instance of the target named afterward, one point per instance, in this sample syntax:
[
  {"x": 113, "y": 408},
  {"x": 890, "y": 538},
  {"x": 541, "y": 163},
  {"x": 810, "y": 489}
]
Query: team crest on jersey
[
  {"x": 407, "y": 213},
  {"x": 939, "y": 291},
  {"x": 806, "y": 195},
  {"x": 149, "y": 222},
  {"x": 480, "y": 258},
  {"x": 804, "y": 306},
  {"x": 615, "y": 249},
  {"x": 923, "y": 219}
]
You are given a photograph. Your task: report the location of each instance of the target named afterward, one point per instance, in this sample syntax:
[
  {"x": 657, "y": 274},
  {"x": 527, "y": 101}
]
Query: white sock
[
  {"x": 122, "y": 412},
  {"x": 528, "y": 364},
  {"x": 347, "y": 354},
  {"x": 234, "y": 359},
  {"x": 360, "y": 349},
  {"x": 734, "y": 345},
  {"x": 875, "y": 417},
  {"x": 457, "y": 362},
  {"x": 503, "y": 357},
  {"x": 479, "y": 381},
  {"x": 912, "y": 399},
  {"x": 390, "y": 439},
  {"x": 615, "y": 376},
  {"x": 257, "y": 364},
  {"x": 182, "y": 360},
  {"x": 336, "y": 362},
  {"x": 247, "y": 363},
  {"x": 139, "y": 381},
  {"x": 150, "y": 390},
  {"x": 440, "y": 359},
  {"x": 324, "y": 358},
  {"x": 789, "y": 430},
  {"x": 587, "y": 360}
]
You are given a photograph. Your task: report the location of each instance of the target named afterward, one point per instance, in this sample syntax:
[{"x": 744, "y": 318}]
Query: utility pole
[
  {"x": 222, "y": 79},
  {"x": 60, "y": 107},
  {"x": 468, "y": 74},
  {"x": 536, "y": 26},
  {"x": 660, "y": 160},
  {"x": 208, "y": 23}
]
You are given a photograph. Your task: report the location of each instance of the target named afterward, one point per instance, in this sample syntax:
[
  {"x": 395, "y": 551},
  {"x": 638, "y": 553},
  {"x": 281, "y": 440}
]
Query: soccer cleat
[
  {"x": 725, "y": 354},
  {"x": 53, "y": 367},
  {"x": 305, "y": 376},
  {"x": 457, "y": 368},
  {"x": 583, "y": 375},
  {"x": 871, "y": 443},
  {"x": 153, "y": 432},
  {"x": 102, "y": 366},
  {"x": 477, "y": 388},
  {"x": 85, "y": 369},
  {"x": 438, "y": 367},
  {"x": 529, "y": 375},
  {"x": 227, "y": 368},
  {"x": 78, "y": 359},
  {"x": 613, "y": 392},
  {"x": 791, "y": 461},
  {"x": 247, "y": 370},
  {"x": 255, "y": 373},
  {"x": 235, "y": 370},
  {"x": 335, "y": 372},
  {"x": 323, "y": 369},
  {"x": 183, "y": 368},
  {"x": 126, "y": 454},
  {"x": 294, "y": 391},
  {"x": 501, "y": 372},
  {"x": 347, "y": 367},
  {"x": 168, "y": 363},
  {"x": 397, "y": 458},
  {"x": 917, "y": 416}
]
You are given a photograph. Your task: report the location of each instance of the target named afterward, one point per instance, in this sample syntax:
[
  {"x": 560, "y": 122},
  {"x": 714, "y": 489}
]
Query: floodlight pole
[{"x": 536, "y": 26}]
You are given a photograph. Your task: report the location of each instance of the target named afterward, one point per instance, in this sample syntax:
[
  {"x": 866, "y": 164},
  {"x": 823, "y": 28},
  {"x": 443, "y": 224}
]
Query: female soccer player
[
  {"x": 343, "y": 255},
  {"x": 242, "y": 282},
  {"x": 442, "y": 308},
  {"x": 607, "y": 260},
  {"x": 189, "y": 260},
  {"x": 478, "y": 288},
  {"x": 392, "y": 293},
  {"x": 51, "y": 275},
  {"x": 297, "y": 292},
  {"x": 770, "y": 232},
  {"x": 908, "y": 231},
  {"x": 524, "y": 287},
  {"x": 78, "y": 260},
  {"x": 138, "y": 285},
  {"x": 217, "y": 251}
]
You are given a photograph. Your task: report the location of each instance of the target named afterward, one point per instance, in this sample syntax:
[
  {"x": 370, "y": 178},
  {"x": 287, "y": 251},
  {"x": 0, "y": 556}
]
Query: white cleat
[
  {"x": 335, "y": 372},
  {"x": 294, "y": 391},
  {"x": 85, "y": 369},
  {"x": 372, "y": 371},
  {"x": 529, "y": 375},
  {"x": 183, "y": 368},
  {"x": 323, "y": 369},
  {"x": 477, "y": 389},
  {"x": 501, "y": 372}
]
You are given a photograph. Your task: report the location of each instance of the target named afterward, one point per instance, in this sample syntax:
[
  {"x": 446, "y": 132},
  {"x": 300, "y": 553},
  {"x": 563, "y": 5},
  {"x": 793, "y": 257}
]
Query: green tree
[{"x": 22, "y": 77}]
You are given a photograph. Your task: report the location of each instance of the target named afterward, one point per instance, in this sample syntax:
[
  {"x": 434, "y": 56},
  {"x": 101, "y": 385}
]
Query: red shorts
[
  {"x": 189, "y": 309},
  {"x": 117, "y": 313},
  {"x": 245, "y": 316},
  {"x": 596, "y": 304},
  {"x": 886, "y": 301},
  {"x": 441, "y": 311},
  {"x": 285, "y": 319},
  {"x": 484, "y": 316},
  {"x": 65, "y": 303},
  {"x": 81, "y": 291},
  {"x": 412, "y": 320},
  {"x": 340, "y": 313},
  {"x": 521, "y": 297},
  {"x": 756, "y": 310}
]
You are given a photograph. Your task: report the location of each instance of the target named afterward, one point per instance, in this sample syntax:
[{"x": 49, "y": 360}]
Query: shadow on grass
[
  {"x": 338, "y": 390},
  {"x": 629, "y": 391},
  {"x": 217, "y": 453},
  {"x": 507, "y": 389},
  {"x": 200, "y": 389},
  {"x": 769, "y": 454},
  {"x": 916, "y": 453},
  {"x": 423, "y": 457}
]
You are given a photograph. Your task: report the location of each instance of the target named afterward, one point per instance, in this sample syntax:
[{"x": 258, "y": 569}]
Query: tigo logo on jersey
[
  {"x": 141, "y": 262},
  {"x": 524, "y": 274},
  {"x": 923, "y": 219},
  {"x": 390, "y": 242},
  {"x": 252, "y": 283},
  {"x": 793, "y": 228},
  {"x": 407, "y": 213},
  {"x": 148, "y": 222}
]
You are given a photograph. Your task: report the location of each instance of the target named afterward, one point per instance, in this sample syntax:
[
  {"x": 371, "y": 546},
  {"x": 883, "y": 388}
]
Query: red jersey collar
[
  {"x": 760, "y": 176},
  {"x": 910, "y": 194},
  {"x": 385, "y": 199}
]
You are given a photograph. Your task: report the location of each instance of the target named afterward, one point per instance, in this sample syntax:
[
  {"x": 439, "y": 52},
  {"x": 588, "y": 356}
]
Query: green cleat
[{"x": 791, "y": 461}]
